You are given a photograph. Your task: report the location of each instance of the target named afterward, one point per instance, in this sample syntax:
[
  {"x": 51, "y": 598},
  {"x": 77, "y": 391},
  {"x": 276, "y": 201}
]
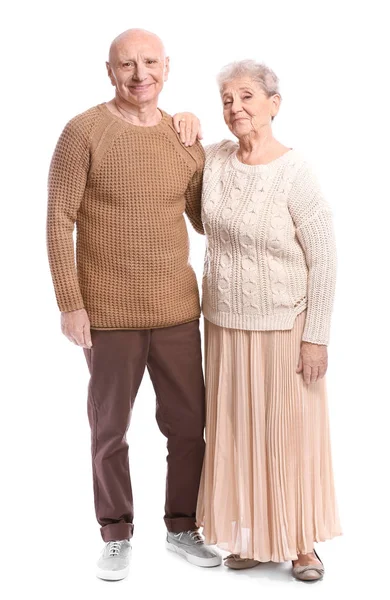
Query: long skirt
[{"x": 267, "y": 487}]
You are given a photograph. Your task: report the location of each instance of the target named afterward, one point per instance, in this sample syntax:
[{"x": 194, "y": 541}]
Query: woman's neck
[{"x": 259, "y": 148}]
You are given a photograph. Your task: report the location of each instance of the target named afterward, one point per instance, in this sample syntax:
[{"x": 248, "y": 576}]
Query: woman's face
[{"x": 246, "y": 107}]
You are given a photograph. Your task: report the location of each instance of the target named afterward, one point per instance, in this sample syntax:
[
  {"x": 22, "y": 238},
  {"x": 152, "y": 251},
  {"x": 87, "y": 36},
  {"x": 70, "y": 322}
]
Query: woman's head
[{"x": 250, "y": 96}]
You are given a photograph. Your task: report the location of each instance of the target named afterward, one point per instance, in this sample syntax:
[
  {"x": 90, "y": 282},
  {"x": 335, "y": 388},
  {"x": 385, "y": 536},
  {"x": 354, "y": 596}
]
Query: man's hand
[
  {"x": 313, "y": 362},
  {"x": 188, "y": 127},
  {"x": 76, "y": 326}
]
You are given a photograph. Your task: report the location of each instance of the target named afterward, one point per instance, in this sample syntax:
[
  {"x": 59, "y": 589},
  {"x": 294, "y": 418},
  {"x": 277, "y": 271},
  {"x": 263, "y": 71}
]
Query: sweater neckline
[
  {"x": 145, "y": 129},
  {"x": 239, "y": 166}
]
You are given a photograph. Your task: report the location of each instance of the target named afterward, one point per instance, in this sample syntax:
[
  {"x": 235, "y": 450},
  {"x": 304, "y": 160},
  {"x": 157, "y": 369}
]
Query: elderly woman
[{"x": 267, "y": 489}]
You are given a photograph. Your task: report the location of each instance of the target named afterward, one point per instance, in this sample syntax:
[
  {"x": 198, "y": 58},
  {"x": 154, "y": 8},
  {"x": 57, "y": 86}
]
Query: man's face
[{"x": 138, "y": 68}]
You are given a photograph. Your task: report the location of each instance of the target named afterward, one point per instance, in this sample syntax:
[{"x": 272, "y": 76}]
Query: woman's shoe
[
  {"x": 234, "y": 561},
  {"x": 309, "y": 572}
]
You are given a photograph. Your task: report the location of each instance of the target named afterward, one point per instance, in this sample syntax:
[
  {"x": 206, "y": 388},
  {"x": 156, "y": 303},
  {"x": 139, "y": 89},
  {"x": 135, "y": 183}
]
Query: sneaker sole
[
  {"x": 194, "y": 560},
  {"x": 112, "y": 575}
]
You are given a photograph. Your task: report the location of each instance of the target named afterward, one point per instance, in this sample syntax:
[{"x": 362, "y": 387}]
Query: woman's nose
[{"x": 236, "y": 105}]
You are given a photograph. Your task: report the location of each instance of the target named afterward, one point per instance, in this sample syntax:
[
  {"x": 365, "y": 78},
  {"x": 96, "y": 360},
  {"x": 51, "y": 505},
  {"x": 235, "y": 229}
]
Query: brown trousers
[{"x": 117, "y": 362}]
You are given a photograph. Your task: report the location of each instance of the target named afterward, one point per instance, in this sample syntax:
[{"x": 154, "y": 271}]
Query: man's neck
[{"x": 144, "y": 116}]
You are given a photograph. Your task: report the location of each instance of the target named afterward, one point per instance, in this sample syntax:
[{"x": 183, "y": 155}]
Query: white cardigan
[{"x": 270, "y": 244}]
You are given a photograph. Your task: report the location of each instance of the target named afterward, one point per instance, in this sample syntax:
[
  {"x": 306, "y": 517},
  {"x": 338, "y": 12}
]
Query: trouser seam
[{"x": 94, "y": 447}]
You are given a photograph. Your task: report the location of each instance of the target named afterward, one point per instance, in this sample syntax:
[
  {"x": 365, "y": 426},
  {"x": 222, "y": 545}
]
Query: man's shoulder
[
  {"x": 82, "y": 124},
  {"x": 197, "y": 153},
  {"x": 193, "y": 154}
]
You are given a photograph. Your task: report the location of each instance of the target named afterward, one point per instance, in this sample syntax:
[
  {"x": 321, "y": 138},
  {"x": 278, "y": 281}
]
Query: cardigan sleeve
[
  {"x": 313, "y": 221},
  {"x": 67, "y": 180}
]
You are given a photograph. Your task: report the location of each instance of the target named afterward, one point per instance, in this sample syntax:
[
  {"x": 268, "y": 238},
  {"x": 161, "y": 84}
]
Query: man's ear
[
  {"x": 166, "y": 68},
  {"x": 110, "y": 74}
]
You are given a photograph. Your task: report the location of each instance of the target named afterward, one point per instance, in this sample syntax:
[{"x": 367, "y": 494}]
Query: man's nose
[{"x": 140, "y": 73}]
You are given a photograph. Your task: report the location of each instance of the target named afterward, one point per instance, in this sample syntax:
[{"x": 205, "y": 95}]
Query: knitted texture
[
  {"x": 126, "y": 187},
  {"x": 270, "y": 244}
]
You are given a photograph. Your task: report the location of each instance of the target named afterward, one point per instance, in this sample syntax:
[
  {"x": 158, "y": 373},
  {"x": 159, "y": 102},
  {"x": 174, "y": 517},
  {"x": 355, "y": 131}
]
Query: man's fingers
[
  {"x": 79, "y": 337},
  {"x": 200, "y": 133},
  {"x": 87, "y": 336},
  {"x": 71, "y": 338}
]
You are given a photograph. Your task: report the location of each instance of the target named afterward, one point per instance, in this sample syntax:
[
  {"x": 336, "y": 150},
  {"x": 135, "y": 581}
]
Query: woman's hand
[
  {"x": 313, "y": 362},
  {"x": 188, "y": 127}
]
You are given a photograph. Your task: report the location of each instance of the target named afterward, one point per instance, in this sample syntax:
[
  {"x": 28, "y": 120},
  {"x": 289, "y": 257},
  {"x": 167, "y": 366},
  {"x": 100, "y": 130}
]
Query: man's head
[{"x": 137, "y": 66}]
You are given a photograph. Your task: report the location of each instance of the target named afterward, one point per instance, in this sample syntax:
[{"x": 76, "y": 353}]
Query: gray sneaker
[
  {"x": 190, "y": 544},
  {"x": 113, "y": 563}
]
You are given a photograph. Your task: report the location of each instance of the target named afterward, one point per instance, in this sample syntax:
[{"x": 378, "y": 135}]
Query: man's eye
[
  {"x": 127, "y": 64},
  {"x": 247, "y": 97},
  {"x": 227, "y": 102},
  {"x": 151, "y": 62}
]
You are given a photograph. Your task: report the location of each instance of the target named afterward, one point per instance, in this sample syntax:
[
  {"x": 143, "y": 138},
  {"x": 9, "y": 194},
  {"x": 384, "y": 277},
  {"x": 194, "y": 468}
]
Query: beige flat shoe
[
  {"x": 234, "y": 561},
  {"x": 309, "y": 572}
]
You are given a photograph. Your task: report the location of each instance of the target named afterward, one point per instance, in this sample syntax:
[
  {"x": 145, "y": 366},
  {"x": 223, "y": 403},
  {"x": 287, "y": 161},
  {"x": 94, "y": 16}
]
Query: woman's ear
[{"x": 275, "y": 105}]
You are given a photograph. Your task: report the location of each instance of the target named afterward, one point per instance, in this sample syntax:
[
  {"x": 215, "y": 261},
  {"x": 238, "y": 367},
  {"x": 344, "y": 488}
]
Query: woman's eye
[
  {"x": 227, "y": 102},
  {"x": 247, "y": 97}
]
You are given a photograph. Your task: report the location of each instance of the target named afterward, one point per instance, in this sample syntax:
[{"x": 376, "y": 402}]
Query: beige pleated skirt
[{"x": 267, "y": 484}]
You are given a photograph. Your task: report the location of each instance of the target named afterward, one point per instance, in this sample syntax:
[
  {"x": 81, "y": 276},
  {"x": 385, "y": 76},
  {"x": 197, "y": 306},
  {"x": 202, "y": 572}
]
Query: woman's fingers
[
  {"x": 183, "y": 128},
  {"x": 194, "y": 130},
  {"x": 315, "y": 360},
  {"x": 300, "y": 365},
  {"x": 176, "y": 122},
  {"x": 321, "y": 371},
  {"x": 188, "y": 127},
  {"x": 188, "y": 133},
  {"x": 314, "y": 374},
  {"x": 306, "y": 373}
]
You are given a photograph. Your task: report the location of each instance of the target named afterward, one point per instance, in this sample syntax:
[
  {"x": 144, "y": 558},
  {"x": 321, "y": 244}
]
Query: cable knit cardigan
[{"x": 270, "y": 244}]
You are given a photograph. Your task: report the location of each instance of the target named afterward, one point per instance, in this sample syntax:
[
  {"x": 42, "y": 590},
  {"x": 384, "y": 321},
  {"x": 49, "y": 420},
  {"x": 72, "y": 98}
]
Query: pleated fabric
[{"x": 267, "y": 488}]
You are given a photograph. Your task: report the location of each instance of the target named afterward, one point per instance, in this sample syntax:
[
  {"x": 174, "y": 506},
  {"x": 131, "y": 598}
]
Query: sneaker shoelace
[
  {"x": 114, "y": 548},
  {"x": 194, "y": 536}
]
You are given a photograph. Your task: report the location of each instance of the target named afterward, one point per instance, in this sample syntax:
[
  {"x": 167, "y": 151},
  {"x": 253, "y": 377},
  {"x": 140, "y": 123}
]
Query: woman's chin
[{"x": 240, "y": 129}]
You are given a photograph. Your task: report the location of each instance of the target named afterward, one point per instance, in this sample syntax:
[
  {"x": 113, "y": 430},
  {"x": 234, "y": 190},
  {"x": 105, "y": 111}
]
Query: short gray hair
[{"x": 258, "y": 72}]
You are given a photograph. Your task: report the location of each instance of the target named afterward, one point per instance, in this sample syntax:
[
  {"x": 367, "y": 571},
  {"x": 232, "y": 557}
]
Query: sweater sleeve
[
  {"x": 314, "y": 229},
  {"x": 67, "y": 181},
  {"x": 193, "y": 193}
]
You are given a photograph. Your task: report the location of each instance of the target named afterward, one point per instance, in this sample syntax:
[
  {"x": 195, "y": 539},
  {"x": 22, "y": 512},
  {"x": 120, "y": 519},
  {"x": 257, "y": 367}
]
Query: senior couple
[{"x": 125, "y": 173}]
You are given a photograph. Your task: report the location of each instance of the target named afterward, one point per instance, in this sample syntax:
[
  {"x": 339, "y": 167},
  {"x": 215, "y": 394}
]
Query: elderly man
[{"x": 120, "y": 172}]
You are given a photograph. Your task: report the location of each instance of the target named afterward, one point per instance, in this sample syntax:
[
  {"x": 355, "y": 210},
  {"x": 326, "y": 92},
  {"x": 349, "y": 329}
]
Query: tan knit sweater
[
  {"x": 271, "y": 250},
  {"x": 126, "y": 187}
]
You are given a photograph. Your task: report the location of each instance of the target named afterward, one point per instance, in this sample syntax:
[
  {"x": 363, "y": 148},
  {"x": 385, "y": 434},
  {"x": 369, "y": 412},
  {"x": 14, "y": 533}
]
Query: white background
[{"x": 332, "y": 63}]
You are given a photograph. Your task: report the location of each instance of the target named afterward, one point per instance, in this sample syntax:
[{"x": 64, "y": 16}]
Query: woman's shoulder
[
  {"x": 220, "y": 151},
  {"x": 301, "y": 164}
]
